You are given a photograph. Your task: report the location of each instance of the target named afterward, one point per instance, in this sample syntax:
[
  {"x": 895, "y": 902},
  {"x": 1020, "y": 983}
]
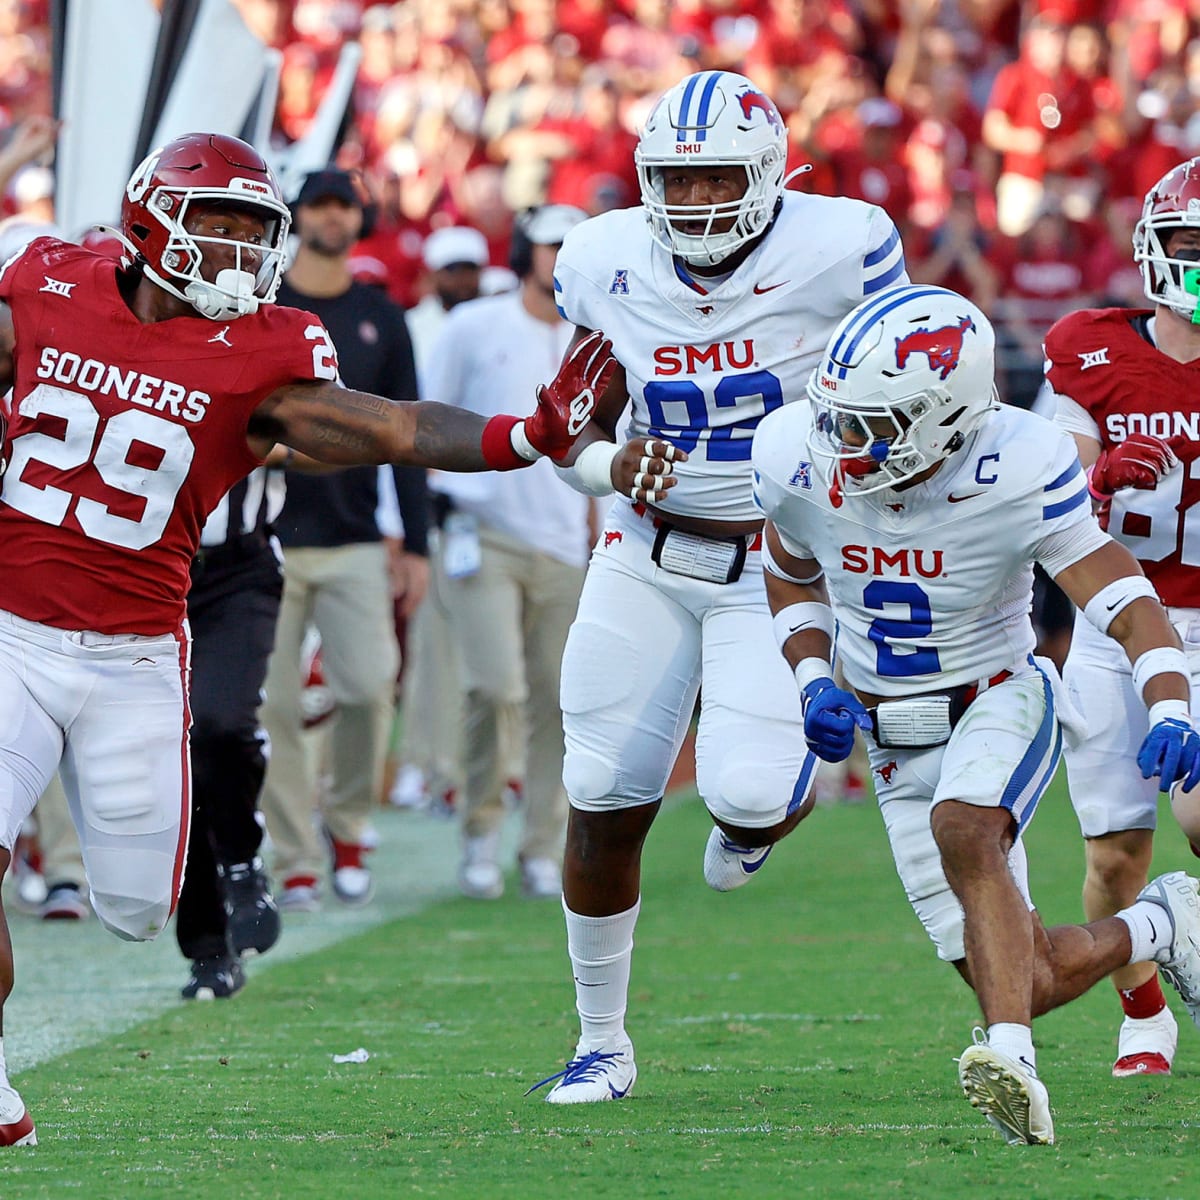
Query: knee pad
[
  {"x": 754, "y": 786},
  {"x": 587, "y": 778},
  {"x": 132, "y": 892},
  {"x": 919, "y": 865}
]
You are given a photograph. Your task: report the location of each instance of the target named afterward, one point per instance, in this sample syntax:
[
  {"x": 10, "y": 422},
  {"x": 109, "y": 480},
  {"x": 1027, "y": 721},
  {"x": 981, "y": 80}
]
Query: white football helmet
[
  {"x": 904, "y": 381},
  {"x": 712, "y": 118},
  {"x": 1172, "y": 203}
]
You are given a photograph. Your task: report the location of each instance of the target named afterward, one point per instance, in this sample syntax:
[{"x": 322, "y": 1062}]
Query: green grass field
[{"x": 795, "y": 1038}]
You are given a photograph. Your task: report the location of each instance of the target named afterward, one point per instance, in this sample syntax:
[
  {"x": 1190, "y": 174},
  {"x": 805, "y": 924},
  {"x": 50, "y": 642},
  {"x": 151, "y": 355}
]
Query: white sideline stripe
[
  {"x": 77, "y": 984},
  {"x": 758, "y": 1018}
]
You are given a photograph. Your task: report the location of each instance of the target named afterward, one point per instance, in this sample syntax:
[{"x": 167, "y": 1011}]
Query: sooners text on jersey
[
  {"x": 124, "y": 437},
  {"x": 1098, "y": 359}
]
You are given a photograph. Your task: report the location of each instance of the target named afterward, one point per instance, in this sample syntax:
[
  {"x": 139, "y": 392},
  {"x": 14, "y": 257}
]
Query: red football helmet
[
  {"x": 1172, "y": 203},
  {"x": 201, "y": 170}
]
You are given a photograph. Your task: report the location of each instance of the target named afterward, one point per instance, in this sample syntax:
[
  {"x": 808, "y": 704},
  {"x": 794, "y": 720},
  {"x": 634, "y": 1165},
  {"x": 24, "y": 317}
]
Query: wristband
[
  {"x": 1170, "y": 710},
  {"x": 1092, "y": 490},
  {"x": 809, "y": 670},
  {"x": 498, "y": 443},
  {"x": 1161, "y": 660},
  {"x": 798, "y": 618},
  {"x": 593, "y": 468}
]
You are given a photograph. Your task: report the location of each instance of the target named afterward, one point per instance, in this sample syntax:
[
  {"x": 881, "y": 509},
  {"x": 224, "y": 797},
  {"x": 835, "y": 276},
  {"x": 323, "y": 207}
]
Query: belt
[
  {"x": 753, "y": 543},
  {"x": 972, "y": 690}
]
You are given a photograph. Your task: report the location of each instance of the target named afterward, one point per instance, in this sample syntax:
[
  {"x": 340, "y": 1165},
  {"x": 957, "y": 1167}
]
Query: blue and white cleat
[
  {"x": 728, "y": 865},
  {"x": 593, "y": 1075}
]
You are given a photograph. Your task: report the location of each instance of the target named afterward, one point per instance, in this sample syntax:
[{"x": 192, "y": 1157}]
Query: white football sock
[
  {"x": 1149, "y": 930},
  {"x": 601, "y": 949},
  {"x": 1015, "y": 1041}
]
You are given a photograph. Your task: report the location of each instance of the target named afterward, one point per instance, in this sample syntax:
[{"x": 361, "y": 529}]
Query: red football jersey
[
  {"x": 1098, "y": 359},
  {"x": 124, "y": 437}
]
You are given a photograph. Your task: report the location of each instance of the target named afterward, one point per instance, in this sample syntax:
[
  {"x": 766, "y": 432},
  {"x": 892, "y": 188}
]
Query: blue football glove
[
  {"x": 830, "y": 715},
  {"x": 1172, "y": 752}
]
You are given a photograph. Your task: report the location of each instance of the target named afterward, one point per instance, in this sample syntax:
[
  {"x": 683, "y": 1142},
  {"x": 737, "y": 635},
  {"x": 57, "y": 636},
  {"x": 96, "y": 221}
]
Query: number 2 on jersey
[
  {"x": 890, "y": 662},
  {"x": 156, "y": 486}
]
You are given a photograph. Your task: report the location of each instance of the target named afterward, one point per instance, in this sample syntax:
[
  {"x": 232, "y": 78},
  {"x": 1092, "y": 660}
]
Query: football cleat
[
  {"x": 1179, "y": 958},
  {"x": 352, "y": 882},
  {"x": 253, "y": 916},
  {"x": 1008, "y": 1092},
  {"x": 64, "y": 902},
  {"x": 215, "y": 978},
  {"x": 301, "y": 893},
  {"x": 728, "y": 865},
  {"x": 593, "y": 1075},
  {"x": 1146, "y": 1046},
  {"x": 16, "y": 1125}
]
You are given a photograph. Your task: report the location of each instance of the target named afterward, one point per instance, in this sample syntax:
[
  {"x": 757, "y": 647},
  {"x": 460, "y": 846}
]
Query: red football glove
[
  {"x": 1139, "y": 462},
  {"x": 565, "y": 405}
]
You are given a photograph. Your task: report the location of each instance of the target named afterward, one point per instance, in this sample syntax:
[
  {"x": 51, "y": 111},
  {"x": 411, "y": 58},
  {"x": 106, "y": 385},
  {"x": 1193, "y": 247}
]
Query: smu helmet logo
[
  {"x": 756, "y": 100},
  {"x": 941, "y": 346}
]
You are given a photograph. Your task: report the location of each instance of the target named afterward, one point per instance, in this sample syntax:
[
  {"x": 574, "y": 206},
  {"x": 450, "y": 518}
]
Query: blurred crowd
[{"x": 1003, "y": 136}]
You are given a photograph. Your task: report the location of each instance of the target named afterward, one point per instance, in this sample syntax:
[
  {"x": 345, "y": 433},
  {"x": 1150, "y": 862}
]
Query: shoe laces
[{"x": 580, "y": 1070}]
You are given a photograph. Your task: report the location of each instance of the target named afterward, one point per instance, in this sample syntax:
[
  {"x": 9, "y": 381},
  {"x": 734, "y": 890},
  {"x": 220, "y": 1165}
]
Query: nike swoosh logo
[
  {"x": 753, "y": 865},
  {"x": 960, "y": 499},
  {"x": 1153, "y": 931},
  {"x": 618, "y": 1093},
  {"x": 584, "y": 983},
  {"x": 759, "y": 290}
]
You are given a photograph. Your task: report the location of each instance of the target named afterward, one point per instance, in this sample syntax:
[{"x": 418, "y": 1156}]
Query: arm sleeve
[
  {"x": 412, "y": 494},
  {"x": 1072, "y": 417}
]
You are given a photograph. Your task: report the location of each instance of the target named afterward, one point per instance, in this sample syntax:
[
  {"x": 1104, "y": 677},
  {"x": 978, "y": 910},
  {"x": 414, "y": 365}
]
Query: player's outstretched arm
[
  {"x": 344, "y": 427},
  {"x": 338, "y": 425}
]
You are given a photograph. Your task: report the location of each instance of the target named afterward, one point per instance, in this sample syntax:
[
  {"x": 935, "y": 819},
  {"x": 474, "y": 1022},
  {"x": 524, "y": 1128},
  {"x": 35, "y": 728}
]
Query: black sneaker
[
  {"x": 253, "y": 918},
  {"x": 214, "y": 978}
]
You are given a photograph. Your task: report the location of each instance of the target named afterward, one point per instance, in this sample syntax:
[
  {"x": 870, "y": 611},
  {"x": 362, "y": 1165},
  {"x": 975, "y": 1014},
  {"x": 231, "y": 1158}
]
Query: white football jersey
[
  {"x": 931, "y": 586},
  {"x": 704, "y": 367}
]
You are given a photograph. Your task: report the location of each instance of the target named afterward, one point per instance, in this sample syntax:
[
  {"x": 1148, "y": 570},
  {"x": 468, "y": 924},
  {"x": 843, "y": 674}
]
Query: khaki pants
[
  {"x": 343, "y": 591},
  {"x": 511, "y": 621},
  {"x": 432, "y": 703}
]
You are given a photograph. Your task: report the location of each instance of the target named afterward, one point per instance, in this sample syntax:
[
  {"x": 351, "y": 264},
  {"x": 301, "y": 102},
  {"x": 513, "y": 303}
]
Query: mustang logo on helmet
[
  {"x": 940, "y": 346},
  {"x": 750, "y": 101}
]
